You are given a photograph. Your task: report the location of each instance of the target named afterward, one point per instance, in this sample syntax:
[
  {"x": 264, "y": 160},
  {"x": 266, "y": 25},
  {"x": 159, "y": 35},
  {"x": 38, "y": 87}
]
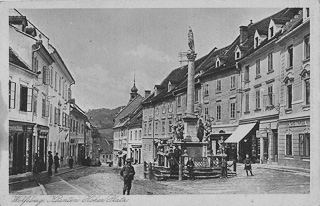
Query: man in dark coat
[
  {"x": 224, "y": 166},
  {"x": 247, "y": 165},
  {"x": 50, "y": 162},
  {"x": 190, "y": 166},
  {"x": 127, "y": 172},
  {"x": 56, "y": 163},
  {"x": 177, "y": 153}
]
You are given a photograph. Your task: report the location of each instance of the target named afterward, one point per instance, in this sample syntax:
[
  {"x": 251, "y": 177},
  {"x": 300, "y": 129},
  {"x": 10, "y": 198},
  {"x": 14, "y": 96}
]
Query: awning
[{"x": 240, "y": 133}]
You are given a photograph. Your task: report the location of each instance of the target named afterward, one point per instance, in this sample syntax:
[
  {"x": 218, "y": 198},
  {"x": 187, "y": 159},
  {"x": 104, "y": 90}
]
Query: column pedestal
[{"x": 190, "y": 128}]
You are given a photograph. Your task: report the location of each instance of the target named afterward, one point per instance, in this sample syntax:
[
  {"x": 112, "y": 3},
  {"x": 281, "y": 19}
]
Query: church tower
[{"x": 134, "y": 90}]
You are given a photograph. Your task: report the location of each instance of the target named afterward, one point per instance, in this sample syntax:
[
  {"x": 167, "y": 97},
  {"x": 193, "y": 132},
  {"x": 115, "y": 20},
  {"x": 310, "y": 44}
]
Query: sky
[{"x": 105, "y": 48}]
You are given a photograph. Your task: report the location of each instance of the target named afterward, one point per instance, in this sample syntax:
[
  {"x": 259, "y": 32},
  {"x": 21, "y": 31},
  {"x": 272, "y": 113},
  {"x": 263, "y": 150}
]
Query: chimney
[
  {"x": 146, "y": 93},
  {"x": 243, "y": 33}
]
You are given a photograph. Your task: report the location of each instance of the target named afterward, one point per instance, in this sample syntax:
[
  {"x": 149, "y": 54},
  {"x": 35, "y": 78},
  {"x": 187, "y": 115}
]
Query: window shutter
[{"x": 29, "y": 100}]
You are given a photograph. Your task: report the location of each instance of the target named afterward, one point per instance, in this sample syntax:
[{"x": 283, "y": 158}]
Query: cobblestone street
[{"x": 106, "y": 181}]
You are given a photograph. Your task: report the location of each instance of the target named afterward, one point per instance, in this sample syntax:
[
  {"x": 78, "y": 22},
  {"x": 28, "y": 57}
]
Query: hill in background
[{"x": 102, "y": 118}]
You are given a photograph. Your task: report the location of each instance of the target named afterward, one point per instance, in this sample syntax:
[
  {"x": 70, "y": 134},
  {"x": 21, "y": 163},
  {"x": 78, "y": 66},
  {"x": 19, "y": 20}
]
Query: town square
[{"x": 160, "y": 101}]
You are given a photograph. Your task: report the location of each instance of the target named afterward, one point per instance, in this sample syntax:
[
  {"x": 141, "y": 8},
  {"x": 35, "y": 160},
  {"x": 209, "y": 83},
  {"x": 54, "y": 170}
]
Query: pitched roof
[{"x": 15, "y": 59}]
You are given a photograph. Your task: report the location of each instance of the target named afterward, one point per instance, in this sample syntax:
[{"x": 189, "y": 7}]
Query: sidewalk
[
  {"x": 30, "y": 184},
  {"x": 282, "y": 168}
]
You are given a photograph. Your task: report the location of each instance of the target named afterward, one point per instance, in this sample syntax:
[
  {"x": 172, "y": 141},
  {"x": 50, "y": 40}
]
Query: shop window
[
  {"x": 289, "y": 144},
  {"x": 25, "y": 99},
  {"x": 304, "y": 145},
  {"x": 12, "y": 95}
]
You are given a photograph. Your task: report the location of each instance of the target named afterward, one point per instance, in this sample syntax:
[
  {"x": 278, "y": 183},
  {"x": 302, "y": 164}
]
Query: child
[{"x": 247, "y": 165}]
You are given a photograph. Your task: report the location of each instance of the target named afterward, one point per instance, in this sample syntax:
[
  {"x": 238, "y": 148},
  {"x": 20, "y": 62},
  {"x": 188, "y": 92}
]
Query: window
[
  {"x": 170, "y": 107},
  {"x": 308, "y": 12},
  {"x": 304, "y": 145},
  {"x": 59, "y": 85},
  {"x": 157, "y": 111},
  {"x": 206, "y": 89},
  {"x": 135, "y": 135},
  {"x": 237, "y": 55},
  {"x": 156, "y": 128},
  {"x": 307, "y": 47},
  {"x": 43, "y": 105},
  {"x": 233, "y": 110},
  {"x": 257, "y": 41},
  {"x": 130, "y": 135},
  {"x": 206, "y": 114},
  {"x": 12, "y": 95},
  {"x": 170, "y": 126},
  {"x": 55, "y": 80},
  {"x": 196, "y": 96},
  {"x": 270, "y": 96},
  {"x": 51, "y": 76},
  {"x": 50, "y": 113},
  {"x": 289, "y": 96},
  {"x": 218, "y": 86},
  {"x": 163, "y": 109},
  {"x": 258, "y": 99},
  {"x": 246, "y": 74},
  {"x": 179, "y": 101},
  {"x": 55, "y": 115},
  {"x": 46, "y": 76},
  {"x": 270, "y": 62},
  {"x": 288, "y": 144},
  {"x": 218, "y": 63},
  {"x": 59, "y": 116},
  {"x": 258, "y": 68},
  {"x": 139, "y": 134},
  {"x": 271, "y": 32},
  {"x": 247, "y": 102},
  {"x": 218, "y": 112},
  {"x": 163, "y": 127},
  {"x": 145, "y": 129},
  {"x": 69, "y": 94},
  {"x": 307, "y": 91},
  {"x": 35, "y": 64},
  {"x": 149, "y": 129},
  {"x": 62, "y": 89},
  {"x": 233, "y": 82},
  {"x": 25, "y": 99},
  {"x": 290, "y": 56}
]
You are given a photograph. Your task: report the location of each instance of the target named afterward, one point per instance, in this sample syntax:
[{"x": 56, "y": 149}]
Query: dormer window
[
  {"x": 237, "y": 53},
  {"x": 271, "y": 32},
  {"x": 169, "y": 86},
  {"x": 256, "y": 43},
  {"x": 217, "y": 63}
]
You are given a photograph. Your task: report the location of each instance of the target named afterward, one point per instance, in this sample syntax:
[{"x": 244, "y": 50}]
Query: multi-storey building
[
  {"x": 135, "y": 136},
  {"x": 59, "y": 93},
  {"x": 260, "y": 85},
  {"x": 78, "y": 121},
  {"x": 294, "y": 117},
  {"x": 121, "y": 127},
  {"x": 28, "y": 95}
]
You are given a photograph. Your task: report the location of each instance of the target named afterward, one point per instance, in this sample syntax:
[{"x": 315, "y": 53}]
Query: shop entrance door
[
  {"x": 42, "y": 151},
  {"x": 275, "y": 146},
  {"x": 265, "y": 149}
]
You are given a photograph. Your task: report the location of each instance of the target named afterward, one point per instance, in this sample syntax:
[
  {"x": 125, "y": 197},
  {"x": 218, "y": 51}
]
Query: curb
[
  {"x": 43, "y": 189},
  {"x": 284, "y": 170}
]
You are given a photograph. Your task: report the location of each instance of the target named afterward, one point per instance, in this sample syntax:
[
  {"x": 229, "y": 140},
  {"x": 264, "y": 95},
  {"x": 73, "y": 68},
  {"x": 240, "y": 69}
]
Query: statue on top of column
[{"x": 191, "y": 40}]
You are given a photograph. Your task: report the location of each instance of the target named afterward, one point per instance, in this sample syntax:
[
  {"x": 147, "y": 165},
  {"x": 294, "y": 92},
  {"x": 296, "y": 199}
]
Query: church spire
[{"x": 134, "y": 89}]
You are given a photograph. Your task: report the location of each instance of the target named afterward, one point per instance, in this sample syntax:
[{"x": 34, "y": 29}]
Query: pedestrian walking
[
  {"x": 71, "y": 162},
  {"x": 127, "y": 172},
  {"x": 172, "y": 164},
  {"x": 247, "y": 165},
  {"x": 50, "y": 162},
  {"x": 190, "y": 166},
  {"x": 36, "y": 164},
  {"x": 56, "y": 163},
  {"x": 224, "y": 173}
]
